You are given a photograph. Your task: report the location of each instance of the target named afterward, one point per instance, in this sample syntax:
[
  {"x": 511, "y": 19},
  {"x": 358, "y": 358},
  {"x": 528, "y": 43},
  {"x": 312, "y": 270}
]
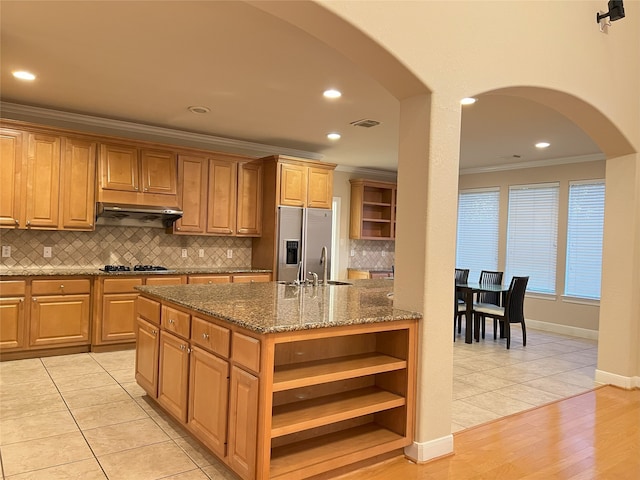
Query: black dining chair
[
  {"x": 487, "y": 277},
  {"x": 512, "y": 312},
  {"x": 460, "y": 306}
]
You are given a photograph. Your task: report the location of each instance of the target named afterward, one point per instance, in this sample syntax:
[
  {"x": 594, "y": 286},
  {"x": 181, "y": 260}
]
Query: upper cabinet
[
  {"x": 47, "y": 181},
  {"x": 303, "y": 184},
  {"x": 220, "y": 195},
  {"x": 138, "y": 176},
  {"x": 373, "y": 210}
]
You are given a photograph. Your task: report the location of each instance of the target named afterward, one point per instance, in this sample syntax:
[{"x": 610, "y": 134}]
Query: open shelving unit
[{"x": 373, "y": 210}]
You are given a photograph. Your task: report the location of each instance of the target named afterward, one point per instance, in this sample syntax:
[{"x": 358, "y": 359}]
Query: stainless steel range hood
[{"x": 136, "y": 215}]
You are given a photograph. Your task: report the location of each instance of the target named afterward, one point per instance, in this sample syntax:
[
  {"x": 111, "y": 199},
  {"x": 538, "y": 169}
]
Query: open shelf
[
  {"x": 292, "y": 376},
  {"x": 295, "y": 417},
  {"x": 320, "y": 454}
]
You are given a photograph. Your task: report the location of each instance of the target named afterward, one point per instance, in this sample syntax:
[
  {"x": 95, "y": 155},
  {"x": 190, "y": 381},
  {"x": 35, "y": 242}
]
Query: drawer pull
[
  {"x": 35, "y": 299},
  {"x": 182, "y": 347},
  {"x": 61, "y": 286},
  {"x": 154, "y": 332},
  {"x": 205, "y": 336},
  {"x": 171, "y": 321}
]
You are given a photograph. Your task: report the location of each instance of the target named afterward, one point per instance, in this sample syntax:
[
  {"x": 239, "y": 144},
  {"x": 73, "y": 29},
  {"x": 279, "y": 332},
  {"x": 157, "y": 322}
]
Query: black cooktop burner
[
  {"x": 137, "y": 268},
  {"x": 115, "y": 268},
  {"x": 148, "y": 268}
]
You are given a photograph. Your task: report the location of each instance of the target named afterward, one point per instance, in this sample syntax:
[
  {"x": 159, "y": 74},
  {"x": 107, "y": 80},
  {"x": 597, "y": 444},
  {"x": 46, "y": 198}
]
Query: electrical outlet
[
  {"x": 184, "y": 253},
  {"x": 6, "y": 251},
  {"x": 353, "y": 252},
  {"x": 201, "y": 253},
  {"x": 384, "y": 253},
  {"x": 46, "y": 253},
  {"x": 229, "y": 253}
]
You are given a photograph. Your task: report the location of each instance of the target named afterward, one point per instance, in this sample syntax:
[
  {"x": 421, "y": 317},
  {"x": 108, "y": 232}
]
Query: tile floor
[{"x": 83, "y": 416}]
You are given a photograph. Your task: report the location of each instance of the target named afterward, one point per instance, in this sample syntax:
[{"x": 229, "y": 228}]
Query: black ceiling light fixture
[{"x": 616, "y": 11}]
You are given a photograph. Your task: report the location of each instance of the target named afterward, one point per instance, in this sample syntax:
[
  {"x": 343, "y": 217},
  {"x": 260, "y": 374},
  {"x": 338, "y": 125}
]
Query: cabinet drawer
[
  {"x": 258, "y": 277},
  {"x": 13, "y": 288},
  {"x": 165, "y": 280},
  {"x": 209, "y": 279},
  {"x": 210, "y": 336},
  {"x": 246, "y": 351},
  {"x": 176, "y": 321},
  {"x": 148, "y": 309},
  {"x": 121, "y": 285},
  {"x": 60, "y": 287}
]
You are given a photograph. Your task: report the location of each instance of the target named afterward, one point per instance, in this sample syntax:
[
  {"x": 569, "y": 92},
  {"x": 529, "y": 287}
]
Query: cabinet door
[
  {"x": 209, "y": 279},
  {"x": 10, "y": 177},
  {"x": 293, "y": 185},
  {"x": 252, "y": 278},
  {"x": 119, "y": 168},
  {"x": 249, "y": 214},
  {"x": 59, "y": 320},
  {"x": 147, "y": 354},
  {"x": 43, "y": 181},
  {"x": 320, "y": 190},
  {"x": 159, "y": 171},
  {"x": 118, "y": 317},
  {"x": 208, "y": 394},
  {"x": 12, "y": 324},
  {"x": 221, "y": 206},
  {"x": 192, "y": 179},
  {"x": 173, "y": 375},
  {"x": 243, "y": 422},
  {"x": 78, "y": 176},
  {"x": 164, "y": 280}
]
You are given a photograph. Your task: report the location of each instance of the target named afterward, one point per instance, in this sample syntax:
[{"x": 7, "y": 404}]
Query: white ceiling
[{"x": 262, "y": 79}]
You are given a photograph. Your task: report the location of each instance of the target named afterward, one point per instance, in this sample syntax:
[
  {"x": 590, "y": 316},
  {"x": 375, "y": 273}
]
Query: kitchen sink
[{"x": 336, "y": 282}]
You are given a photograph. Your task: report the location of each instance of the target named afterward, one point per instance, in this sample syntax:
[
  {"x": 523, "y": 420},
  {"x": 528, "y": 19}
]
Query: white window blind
[
  {"x": 584, "y": 239},
  {"x": 532, "y": 235},
  {"x": 477, "y": 240}
]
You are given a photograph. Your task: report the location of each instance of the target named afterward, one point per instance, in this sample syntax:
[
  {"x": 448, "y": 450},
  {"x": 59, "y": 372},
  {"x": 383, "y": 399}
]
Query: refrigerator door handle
[{"x": 303, "y": 255}]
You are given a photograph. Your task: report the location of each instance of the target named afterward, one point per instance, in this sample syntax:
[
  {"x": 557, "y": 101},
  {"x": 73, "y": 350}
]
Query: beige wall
[{"x": 553, "y": 309}]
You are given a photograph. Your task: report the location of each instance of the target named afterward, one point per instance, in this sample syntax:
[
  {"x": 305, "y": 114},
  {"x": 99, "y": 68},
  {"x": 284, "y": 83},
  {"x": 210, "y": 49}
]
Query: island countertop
[{"x": 274, "y": 307}]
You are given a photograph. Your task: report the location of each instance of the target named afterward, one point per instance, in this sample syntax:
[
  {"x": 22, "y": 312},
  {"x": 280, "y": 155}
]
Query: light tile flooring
[{"x": 83, "y": 416}]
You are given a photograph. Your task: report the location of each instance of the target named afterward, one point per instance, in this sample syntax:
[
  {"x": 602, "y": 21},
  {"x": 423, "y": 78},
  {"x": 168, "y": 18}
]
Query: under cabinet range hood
[{"x": 136, "y": 215}]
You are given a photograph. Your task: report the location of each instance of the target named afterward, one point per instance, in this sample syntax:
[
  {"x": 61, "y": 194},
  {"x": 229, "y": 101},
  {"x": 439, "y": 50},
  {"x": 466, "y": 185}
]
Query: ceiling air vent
[{"x": 365, "y": 123}]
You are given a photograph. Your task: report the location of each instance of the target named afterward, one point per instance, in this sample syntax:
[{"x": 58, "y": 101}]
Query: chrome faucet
[
  {"x": 323, "y": 261},
  {"x": 315, "y": 278}
]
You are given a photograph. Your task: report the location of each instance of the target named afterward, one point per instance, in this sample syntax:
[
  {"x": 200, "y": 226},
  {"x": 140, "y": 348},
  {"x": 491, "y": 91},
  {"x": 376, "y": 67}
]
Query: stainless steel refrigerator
[{"x": 302, "y": 232}]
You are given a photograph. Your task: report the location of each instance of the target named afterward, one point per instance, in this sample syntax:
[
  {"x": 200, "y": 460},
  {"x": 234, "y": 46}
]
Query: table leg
[{"x": 468, "y": 297}]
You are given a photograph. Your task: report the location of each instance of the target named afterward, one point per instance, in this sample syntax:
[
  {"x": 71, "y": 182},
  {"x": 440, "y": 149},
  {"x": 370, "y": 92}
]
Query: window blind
[
  {"x": 532, "y": 235},
  {"x": 585, "y": 225},
  {"x": 477, "y": 239}
]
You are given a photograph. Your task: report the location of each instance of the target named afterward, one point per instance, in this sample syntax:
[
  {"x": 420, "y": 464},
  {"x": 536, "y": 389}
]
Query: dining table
[{"x": 468, "y": 289}]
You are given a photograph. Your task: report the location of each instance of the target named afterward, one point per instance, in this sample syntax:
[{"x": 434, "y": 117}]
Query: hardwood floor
[{"x": 595, "y": 435}]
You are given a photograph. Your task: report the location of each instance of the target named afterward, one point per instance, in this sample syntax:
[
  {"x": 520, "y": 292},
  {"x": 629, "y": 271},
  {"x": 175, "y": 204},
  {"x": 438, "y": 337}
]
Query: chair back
[
  {"x": 462, "y": 276},
  {"x": 490, "y": 278},
  {"x": 514, "y": 308}
]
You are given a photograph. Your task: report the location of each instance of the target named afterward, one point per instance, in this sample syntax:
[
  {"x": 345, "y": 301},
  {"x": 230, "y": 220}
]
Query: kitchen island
[{"x": 282, "y": 381}]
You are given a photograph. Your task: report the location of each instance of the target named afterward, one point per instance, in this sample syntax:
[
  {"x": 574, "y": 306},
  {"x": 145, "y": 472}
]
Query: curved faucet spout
[{"x": 323, "y": 261}]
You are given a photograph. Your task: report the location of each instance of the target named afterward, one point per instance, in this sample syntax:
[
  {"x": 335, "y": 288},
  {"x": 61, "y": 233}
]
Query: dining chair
[
  {"x": 460, "y": 306},
  {"x": 487, "y": 277},
  {"x": 511, "y": 312}
]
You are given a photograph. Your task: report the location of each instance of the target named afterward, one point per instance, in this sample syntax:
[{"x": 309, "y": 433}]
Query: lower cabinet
[
  {"x": 12, "y": 323},
  {"x": 147, "y": 353},
  {"x": 243, "y": 422},
  {"x": 173, "y": 375}
]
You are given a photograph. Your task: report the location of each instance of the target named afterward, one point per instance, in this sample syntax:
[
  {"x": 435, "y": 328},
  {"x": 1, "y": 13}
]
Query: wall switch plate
[
  {"x": 353, "y": 252},
  {"x": 46, "y": 253},
  {"x": 6, "y": 251},
  {"x": 229, "y": 253},
  {"x": 383, "y": 253},
  {"x": 201, "y": 253},
  {"x": 184, "y": 253}
]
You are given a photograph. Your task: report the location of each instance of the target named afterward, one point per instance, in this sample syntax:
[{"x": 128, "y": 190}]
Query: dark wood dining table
[{"x": 469, "y": 289}]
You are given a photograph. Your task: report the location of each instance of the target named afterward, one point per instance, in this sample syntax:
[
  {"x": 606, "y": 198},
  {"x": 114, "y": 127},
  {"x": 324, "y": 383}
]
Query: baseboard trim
[
  {"x": 421, "y": 452},
  {"x": 608, "y": 378},
  {"x": 563, "y": 329}
]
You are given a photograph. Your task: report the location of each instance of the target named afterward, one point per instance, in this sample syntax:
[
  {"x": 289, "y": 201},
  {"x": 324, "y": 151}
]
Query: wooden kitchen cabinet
[
  {"x": 208, "y": 397},
  {"x": 43, "y": 181},
  {"x": 165, "y": 280},
  {"x": 78, "y": 180},
  {"x": 222, "y": 197},
  {"x": 373, "y": 210},
  {"x": 306, "y": 186},
  {"x": 60, "y": 312},
  {"x": 147, "y": 355},
  {"x": 192, "y": 194},
  {"x": 249, "y": 208},
  {"x": 209, "y": 279},
  {"x": 251, "y": 277},
  {"x": 12, "y": 315},
  {"x": 115, "y": 316},
  {"x": 11, "y": 175},
  {"x": 243, "y": 422},
  {"x": 137, "y": 175},
  {"x": 173, "y": 374}
]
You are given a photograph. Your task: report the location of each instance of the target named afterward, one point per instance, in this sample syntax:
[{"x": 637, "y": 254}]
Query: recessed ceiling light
[
  {"x": 468, "y": 101},
  {"x": 332, "y": 93},
  {"x": 542, "y": 144},
  {"x": 333, "y": 136},
  {"x": 199, "y": 110},
  {"x": 23, "y": 75}
]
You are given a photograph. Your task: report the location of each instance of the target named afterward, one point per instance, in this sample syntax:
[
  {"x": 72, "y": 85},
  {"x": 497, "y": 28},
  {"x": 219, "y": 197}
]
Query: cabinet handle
[
  {"x": 17, "y": 221},
  {"x": 146, "y": 189},
  {"x": 171, "y": 321},
  {"x": 61, "y": 286},
  {"x": 205, "y": 336},
  {"x": 28, "y": 222},
  {"x": 135, "y": 188},
  {"x": 35, "y": 299},
  {"x": 189, "y": 350},
  {"x": 182, "y": 347},
  {"x": 21, "y": 300},
  {"x": 154, "y": 332},
  {"x": 177, "y": 228}
]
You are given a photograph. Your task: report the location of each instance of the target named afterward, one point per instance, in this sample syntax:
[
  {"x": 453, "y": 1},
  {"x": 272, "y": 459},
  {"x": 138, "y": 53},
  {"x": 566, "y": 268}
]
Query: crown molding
[
  {"x": 366, "y": 171},
  {"x": 80, "y": 121},
  {"x": 534, "y": 164}
]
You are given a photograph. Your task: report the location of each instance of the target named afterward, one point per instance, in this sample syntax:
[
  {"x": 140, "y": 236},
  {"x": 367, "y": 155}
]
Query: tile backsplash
[
  {"x": 372, "y": 254},
  {"x": 110, "y": 245}
]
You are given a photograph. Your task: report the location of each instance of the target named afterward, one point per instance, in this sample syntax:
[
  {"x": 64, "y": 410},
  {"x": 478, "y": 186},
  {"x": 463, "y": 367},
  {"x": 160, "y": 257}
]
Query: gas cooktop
[{"x": 137, "y": 268}]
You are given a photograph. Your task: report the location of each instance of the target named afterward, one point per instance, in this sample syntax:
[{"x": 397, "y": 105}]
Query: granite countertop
[
  {"x": 84, "y": 271},
  {"x": 274, "y": 307}
]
